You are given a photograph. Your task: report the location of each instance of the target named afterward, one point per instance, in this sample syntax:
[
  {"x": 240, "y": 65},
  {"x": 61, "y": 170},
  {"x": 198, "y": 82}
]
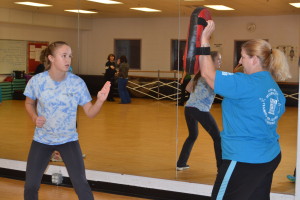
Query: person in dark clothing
[
  {"x": 41, "y": 67},
  {"x": 123, "y": 80},
  {"x": 110, "y": 71}
]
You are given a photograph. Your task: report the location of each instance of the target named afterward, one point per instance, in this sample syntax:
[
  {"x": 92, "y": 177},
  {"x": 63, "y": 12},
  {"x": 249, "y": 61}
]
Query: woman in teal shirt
[{"x": 251, "y": 108}]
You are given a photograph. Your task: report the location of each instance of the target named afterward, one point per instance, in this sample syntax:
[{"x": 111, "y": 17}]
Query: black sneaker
[{"x": 182, "y": 168}]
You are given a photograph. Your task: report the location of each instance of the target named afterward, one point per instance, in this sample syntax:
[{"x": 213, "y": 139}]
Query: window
[
  {"x": 131, "y": 49},
  {"x": 175, "y": 49}
]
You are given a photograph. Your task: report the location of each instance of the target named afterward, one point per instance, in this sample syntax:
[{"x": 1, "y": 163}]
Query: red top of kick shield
[
  {"x": 205, "y": 14},
  {"x": 196, "y": 26}
]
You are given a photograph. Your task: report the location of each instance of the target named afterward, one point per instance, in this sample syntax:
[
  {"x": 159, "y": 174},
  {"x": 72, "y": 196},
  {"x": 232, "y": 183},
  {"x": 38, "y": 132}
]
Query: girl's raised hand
[{"x": 102, "y": 94}]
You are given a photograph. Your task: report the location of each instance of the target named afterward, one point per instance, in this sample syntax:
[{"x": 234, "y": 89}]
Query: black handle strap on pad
[
  {"x": 202, "y": 51},
  {"x": 202, "y": 21}
]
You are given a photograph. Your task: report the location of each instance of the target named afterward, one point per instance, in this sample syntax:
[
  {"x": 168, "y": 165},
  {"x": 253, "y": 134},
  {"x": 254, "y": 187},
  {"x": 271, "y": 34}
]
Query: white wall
[
  {"x": 156, "y": 35},
  {"x": 279, "y": 30}
]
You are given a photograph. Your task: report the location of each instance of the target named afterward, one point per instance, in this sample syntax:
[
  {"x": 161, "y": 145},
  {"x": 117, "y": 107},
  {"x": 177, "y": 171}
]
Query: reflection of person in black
[
  {"x": 183, "y": 83},
  {"x": 41, "y": 67},
  {"x": 110, "y": 71}
]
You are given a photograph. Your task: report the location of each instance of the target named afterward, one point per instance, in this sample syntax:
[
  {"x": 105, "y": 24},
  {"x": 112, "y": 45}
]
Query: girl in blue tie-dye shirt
[{"x": 52, "y": 98}]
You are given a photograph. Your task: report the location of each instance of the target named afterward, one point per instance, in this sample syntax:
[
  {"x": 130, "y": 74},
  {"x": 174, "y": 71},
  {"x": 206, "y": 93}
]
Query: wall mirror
[
  {"x": 145, "y": 138},
  {"x": 229, "y": 29},
  {"x": 138, "y": 138}
]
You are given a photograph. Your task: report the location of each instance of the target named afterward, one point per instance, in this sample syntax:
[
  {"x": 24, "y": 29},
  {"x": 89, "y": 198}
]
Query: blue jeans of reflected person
[{"x": 123, "y": 92}]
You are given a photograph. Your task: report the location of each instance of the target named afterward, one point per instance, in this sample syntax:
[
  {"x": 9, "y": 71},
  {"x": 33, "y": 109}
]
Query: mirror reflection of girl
[
  {"x": 41, "y": 67},
  {"x": 197, "y": 110},
  {"x": 52, "y": 98}
]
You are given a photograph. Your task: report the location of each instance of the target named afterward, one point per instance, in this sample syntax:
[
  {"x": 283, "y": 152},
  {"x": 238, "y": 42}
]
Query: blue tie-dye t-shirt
[
  {"x": 202, "y": 97},
  {"x": 57, "y": 102}
]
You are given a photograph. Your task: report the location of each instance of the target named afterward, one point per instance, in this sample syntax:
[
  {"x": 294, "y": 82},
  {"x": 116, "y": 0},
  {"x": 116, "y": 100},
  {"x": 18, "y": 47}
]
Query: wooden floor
[
  {"x": 13, "y": 190},
  {"x": 144, "y": 139}
]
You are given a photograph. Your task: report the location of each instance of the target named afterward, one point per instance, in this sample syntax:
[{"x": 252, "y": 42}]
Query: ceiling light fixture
[
  {"x": 144, "y": 9},
  {"x": 82, "y": 11},
  {"x": 218, "y": 7},
  {"x": 106, "y": 1},
  {"x": 297, "y": 5},
  {"x": 28, "y": 3}
]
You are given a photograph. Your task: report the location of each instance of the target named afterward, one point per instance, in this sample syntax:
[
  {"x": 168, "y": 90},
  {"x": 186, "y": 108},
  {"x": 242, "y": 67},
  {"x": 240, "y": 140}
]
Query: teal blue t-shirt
[
  {"x": 251, "y": 108},
  {"x": 57, "y": 102}
]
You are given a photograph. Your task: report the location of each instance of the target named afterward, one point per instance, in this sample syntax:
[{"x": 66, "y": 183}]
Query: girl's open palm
[{"x": 102, "y": 94}]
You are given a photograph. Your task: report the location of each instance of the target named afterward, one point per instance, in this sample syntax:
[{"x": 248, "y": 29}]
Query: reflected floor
[
  {"x": 140, "y": 139},
  {"x": 13, "y": 190}
]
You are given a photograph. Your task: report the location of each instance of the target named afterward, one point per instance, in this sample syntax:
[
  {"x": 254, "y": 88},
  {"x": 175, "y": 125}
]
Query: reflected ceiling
[{"x": 169, "y": 7}]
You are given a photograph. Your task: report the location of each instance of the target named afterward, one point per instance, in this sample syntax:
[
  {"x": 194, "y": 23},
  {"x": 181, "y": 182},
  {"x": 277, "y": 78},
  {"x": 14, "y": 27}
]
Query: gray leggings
[{"x": 38, "y": 159}]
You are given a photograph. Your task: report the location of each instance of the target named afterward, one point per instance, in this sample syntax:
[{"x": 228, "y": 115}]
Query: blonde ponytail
[
  {"x": 272, "y": 60},
  {"x": 279, "y": 66}
]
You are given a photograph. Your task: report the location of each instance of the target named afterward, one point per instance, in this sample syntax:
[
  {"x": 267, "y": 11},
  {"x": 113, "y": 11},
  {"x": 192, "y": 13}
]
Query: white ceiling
[{"x": 170, "y": 8}]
